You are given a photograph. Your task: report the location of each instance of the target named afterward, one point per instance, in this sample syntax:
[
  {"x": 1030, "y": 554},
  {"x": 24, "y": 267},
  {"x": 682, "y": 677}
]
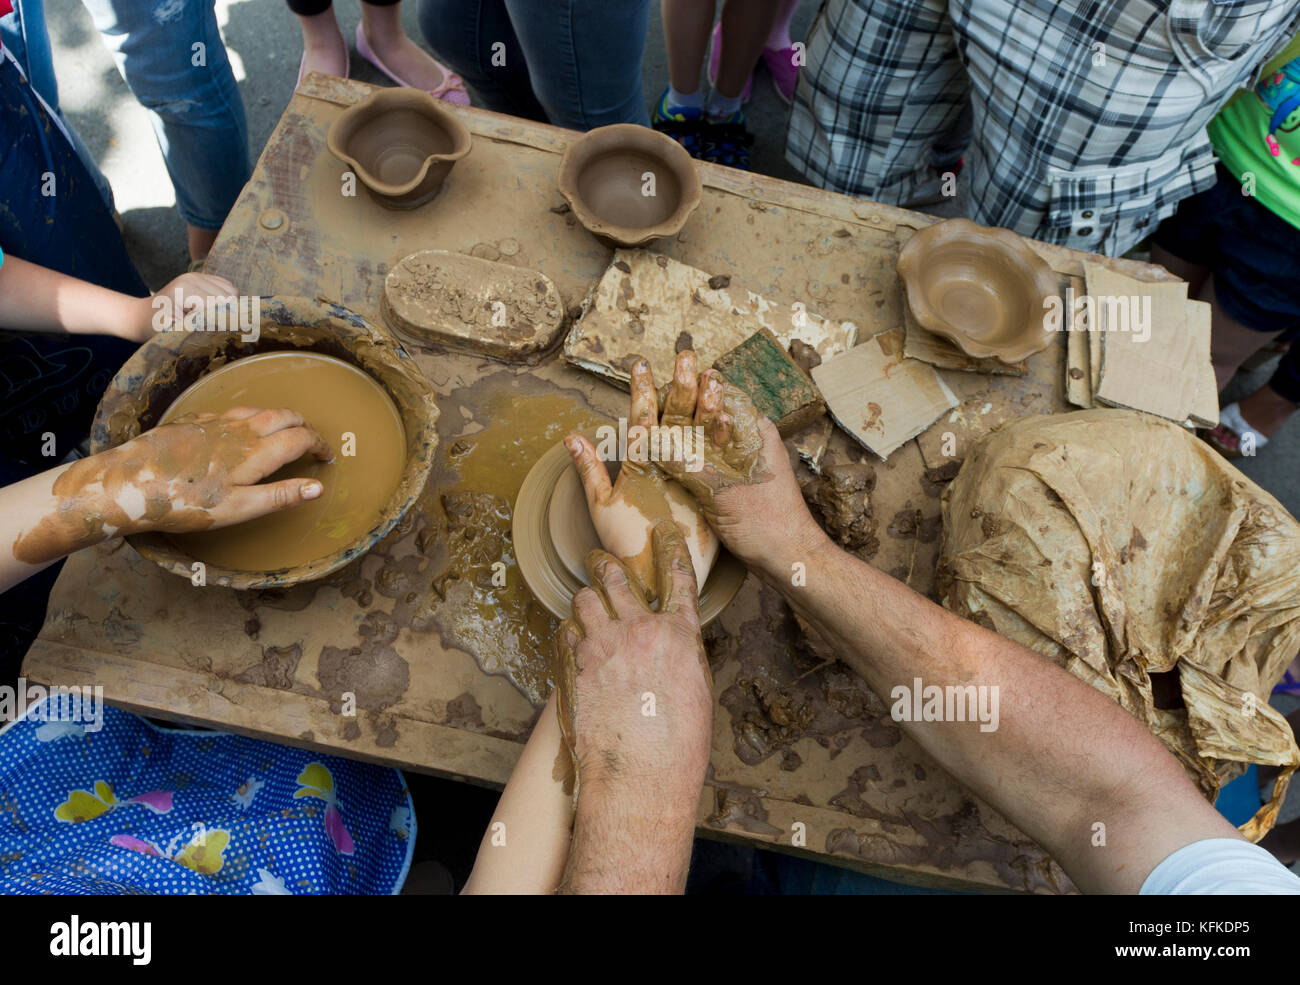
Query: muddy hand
[
  {"x": 635, "y": 697},
  {"x": 625, "y": 511},
  {"x": 742, "y": 475},
  {"x": 195, "y": 292}
]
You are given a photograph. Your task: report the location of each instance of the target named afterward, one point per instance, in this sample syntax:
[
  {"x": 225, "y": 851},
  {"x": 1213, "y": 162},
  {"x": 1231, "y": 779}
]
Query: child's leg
[
  {"x": 526, "y": 845},
  {"x": 1232, "y": 343},
  {"x": 687, "y": 24},
  {"x": 746, "y": 25},
  {"x": 381, "y": 20},
  {"x": 779, "y": 37},
  {"x": 323, "y": 47}
]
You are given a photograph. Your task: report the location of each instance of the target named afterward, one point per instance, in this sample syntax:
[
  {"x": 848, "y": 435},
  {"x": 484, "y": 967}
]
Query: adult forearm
[
  {"x": 626, "y": 842},
  {"x": 36, "y": 299},
  {"x": 1056, "y": 757}
]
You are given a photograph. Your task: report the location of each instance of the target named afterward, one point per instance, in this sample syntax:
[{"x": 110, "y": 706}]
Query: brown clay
[
  {"x": 629, "y": 185},
  {"x": 978, "y": 287},
  {"x": 402, "y": 143},
  {"x": 165, "y": 366},
  {"x": 336, "y": 399},
  {"x": 549, "y": 573}
]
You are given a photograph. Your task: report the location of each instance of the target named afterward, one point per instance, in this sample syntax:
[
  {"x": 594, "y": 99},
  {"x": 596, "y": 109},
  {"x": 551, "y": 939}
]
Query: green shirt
[{"x": 1258, "y": 133}]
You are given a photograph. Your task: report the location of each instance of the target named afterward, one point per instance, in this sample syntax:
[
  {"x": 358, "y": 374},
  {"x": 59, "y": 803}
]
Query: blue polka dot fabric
[{"x": 134, "y": 808}]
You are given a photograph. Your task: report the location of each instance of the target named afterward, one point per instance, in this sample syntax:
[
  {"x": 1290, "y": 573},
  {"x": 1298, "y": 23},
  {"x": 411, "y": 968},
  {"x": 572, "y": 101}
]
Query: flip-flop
[
  {"x": 302, "y": 66},
  {"x": 452, "y": 89}
]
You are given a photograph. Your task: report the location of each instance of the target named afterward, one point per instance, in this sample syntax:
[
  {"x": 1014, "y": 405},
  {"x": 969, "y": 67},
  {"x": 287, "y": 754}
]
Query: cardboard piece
[
  {"x": 879, "y": 396},
  {"x": 1078, "y": 369},
  {"x": 1205, "y": 405},
  {"x": 650, "y": 305},
  {"x": 780, "y": 390}
]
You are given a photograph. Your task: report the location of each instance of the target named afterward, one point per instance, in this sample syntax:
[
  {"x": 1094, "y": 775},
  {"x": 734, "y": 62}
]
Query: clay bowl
[
  {"x": 402, "y": 144},
  {"x": 168, "y": 363},
  {"x": 980, "y": 288},
  {"x": 603, "y": 177},
  {"x": 552, "y": 535}
]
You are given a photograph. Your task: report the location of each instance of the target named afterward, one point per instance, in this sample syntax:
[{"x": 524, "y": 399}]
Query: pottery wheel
[{"x": 553, "y": 534}]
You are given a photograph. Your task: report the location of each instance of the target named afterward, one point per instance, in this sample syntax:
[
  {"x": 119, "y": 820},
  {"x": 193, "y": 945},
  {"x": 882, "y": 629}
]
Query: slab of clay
[
  {"x": 918, "y": 343},
  {"x": 650, "y": 305},
  {"x": 1159, "y": 375},
  {"x": 880, "y": 397},
  {"x": 465, "y": 302},
  {"x": 1205, "y": 405},
  {"x": 1078, "y": 372}
]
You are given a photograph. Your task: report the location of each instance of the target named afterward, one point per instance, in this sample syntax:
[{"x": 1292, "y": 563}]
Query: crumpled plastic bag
[{"x": 1121, "y": 547}]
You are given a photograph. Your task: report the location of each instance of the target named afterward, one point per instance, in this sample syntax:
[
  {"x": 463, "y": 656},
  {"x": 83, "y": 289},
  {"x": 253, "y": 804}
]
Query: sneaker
[
  {"x": 728, "y": 141},
  {"x": 684, "y": 124},
  {"x": 785, "y": 73},
  {"x": 715, "y": 56}
]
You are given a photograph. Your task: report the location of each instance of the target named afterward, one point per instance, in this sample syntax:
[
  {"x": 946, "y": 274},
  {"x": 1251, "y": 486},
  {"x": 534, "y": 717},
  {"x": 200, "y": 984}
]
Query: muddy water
[{"x": 337, "y": 399}]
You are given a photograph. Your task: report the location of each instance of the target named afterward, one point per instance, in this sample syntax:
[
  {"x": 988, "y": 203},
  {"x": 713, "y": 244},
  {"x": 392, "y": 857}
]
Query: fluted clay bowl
[
  {"x": 402, "y": 144},
  {"x": 629, "y": 185},
  {"x": 164, "y": 367},
  {"x": 980, "y": 288}
]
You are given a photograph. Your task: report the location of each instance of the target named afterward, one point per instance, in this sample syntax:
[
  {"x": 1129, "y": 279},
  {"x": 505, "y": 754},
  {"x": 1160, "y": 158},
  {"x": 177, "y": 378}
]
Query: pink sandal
[{"x": 452, "y": 89}]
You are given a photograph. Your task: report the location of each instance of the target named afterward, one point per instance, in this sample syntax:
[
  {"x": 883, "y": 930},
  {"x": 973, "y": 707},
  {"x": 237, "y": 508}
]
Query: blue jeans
[
  {"x": 24, "y": 36},
  {"x": 195, "y": 109},
  {"x": 573, "y": 63}
]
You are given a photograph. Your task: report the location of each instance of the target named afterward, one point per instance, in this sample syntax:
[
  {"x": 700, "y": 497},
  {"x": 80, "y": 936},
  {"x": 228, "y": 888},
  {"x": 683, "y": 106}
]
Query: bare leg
[
  {"x": 1266, "y": 410},
  {"x": 746, "y": 25},
  {"x": 526, "y": 844},
  {"x": 687, "y": 24},
  {"x": 1231, "y": 342},
  {"x": 200, "y": 241},
  {"x": 323, "y": 47},
  {"x": 1193, "y": 273},
  {"x": 387, "y": 39},
  {"x": 779, "y": 37}
]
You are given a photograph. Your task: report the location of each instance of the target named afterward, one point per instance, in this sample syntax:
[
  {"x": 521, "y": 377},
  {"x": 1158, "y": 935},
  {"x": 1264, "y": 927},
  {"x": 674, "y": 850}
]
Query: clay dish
[
  {"x": 166, "y": 365},
  {"x": 552, "y": 534},
  {"x": 402, "y": 144},
  {"x": 980, "y": 288},
  {"x": 604, "y": 177}
]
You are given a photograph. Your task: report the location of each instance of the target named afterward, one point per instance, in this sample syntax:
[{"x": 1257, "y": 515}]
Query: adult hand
[
  {"x": 635, "y": 695},
  {"x": 625, "y": 511},
  {"x": 196, "y": 473},
  {"x": 162, "y": 313},
  {"x": 745, "y": 485}
]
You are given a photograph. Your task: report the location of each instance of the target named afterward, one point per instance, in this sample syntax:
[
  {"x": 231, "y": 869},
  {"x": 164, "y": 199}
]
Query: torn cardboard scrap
[
  {"x": 646, "y": 304},
  {"x": 879, "y": 396}
]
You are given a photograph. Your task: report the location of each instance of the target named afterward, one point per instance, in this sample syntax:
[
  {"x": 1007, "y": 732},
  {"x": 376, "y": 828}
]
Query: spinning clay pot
[
  {"x": 980, "y": 288},
  {"x": 164, "y": 369},
  {"x": 553, "y": 534},
  {"x": 402, "y": 144},
  {"x": 628, "y": 185}
]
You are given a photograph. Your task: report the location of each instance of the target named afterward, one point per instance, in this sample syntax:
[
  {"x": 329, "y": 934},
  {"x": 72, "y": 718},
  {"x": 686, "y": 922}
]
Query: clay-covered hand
[
  {"x": 625, "y": 511},
  {"x": 740, "y": 473},
  {"x": 196, "y": 473},
  {"x": 160, "y": 312},
  {"x": 634, "y": 691}
]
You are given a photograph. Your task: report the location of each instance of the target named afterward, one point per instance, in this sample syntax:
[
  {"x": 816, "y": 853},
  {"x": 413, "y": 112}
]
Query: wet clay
[
  {"x": 981, "y": 289},
  {"x": 337, "y": 400},
  {"x": 603, "y": 176},
  {"x": 402, "y": 144},
  {"x": 841, "y": 498}
]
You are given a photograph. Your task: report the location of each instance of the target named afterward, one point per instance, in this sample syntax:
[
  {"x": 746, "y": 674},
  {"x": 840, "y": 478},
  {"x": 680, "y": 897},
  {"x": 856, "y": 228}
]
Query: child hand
[{"x": 162, "y": 313}]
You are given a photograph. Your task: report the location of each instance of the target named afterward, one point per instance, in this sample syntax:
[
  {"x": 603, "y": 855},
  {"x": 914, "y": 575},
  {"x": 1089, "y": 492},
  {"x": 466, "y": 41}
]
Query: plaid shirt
[{"x": 1088, "y": 117}]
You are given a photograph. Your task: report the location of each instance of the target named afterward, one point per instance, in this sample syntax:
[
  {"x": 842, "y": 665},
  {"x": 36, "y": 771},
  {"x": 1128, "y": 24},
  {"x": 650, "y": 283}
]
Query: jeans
[
  {"x": 195, "y": 108},
  {"x": 24, "y": 36},
  {"x": 573, "y": 63}
]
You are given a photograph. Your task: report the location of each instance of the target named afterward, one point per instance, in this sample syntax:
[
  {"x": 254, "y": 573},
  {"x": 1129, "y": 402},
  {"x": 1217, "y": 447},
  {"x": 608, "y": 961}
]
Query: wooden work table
[{"x": 805, "y": 758}]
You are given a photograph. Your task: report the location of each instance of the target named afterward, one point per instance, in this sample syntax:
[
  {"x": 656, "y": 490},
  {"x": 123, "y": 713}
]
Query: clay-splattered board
[{"x": 400, "y": 634}]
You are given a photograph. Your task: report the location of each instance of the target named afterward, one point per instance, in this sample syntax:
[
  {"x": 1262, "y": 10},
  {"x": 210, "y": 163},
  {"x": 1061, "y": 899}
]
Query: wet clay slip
[
  {"x": 629, "y": 185},
  {"x": 402, "y": 144},
  {"x": 350, "y": 411},
  {"x": 369, "y": 372},
  {"x": 465, "y": 302},
  {"x": 980, "y": 288},
  {"x": 553, "y": 534}
]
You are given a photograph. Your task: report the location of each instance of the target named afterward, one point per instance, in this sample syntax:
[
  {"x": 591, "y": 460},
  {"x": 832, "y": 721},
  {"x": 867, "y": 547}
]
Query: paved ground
[{"x": 264, "y": 45}]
